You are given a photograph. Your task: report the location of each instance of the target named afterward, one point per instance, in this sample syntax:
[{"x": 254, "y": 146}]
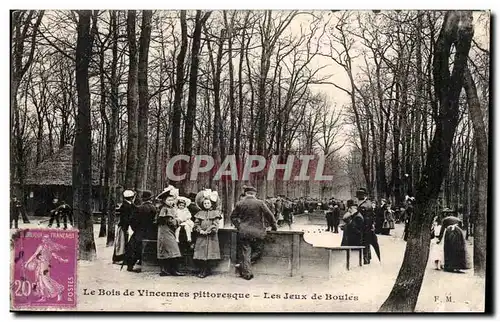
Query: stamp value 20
[{"x": 44, "y": 268}]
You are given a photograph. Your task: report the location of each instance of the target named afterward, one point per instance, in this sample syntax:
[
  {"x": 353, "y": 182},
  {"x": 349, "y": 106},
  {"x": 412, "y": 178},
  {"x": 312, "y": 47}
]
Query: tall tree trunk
[
  {"x": 142, "y": 125},
  {"x": 107, "y": 133},
  {"x": 82, "y": 155},
  {"x": 240, "y": 110},
  {"x": 175, "y": 146},
  {"x": 132, "y": 101},
  {"x": 193, "y": 87},
  {"x": 481, "y": 197},
  {"x": 111, "y": 137},
  {"x": 457, "y": 30}
]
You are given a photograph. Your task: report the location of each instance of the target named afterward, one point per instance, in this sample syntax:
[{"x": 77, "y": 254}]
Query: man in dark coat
[
  {"x": 16, "y": 210},
  {"x": 369, "y": 238},
  {"x": 64, "y": 212},
  {"x": 54, "y": 214},
  {"x": 141, "y": 222},
  {"x": 329, "y": 218},
  {"x": 353, "y": 229},
  {"x": 249, "y": 217},
  {"x": 336, "y": 218}
]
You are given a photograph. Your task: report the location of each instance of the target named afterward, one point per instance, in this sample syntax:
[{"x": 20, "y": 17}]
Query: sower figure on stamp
[
  {"x": 249, "y": 217},
  {"x": 40, "y": 262},
  {"x": 168, "y": 251},
  {"x": 140, "y": 222},
  {"x": 127, "y": 209}
]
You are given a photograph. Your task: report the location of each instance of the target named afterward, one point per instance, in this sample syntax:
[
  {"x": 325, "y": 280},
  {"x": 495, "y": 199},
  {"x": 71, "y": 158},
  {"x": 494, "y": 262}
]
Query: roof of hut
[{"x": 57, "y": 170}]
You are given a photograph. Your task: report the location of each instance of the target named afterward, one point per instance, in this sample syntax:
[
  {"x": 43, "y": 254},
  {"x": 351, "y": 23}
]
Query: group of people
[
  {"x": 359, "y": 227},
  {"x": 200, "y": 217}
]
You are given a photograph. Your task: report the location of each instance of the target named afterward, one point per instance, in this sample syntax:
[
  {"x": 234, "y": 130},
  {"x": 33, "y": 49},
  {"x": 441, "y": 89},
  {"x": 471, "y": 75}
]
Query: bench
[
  {"x": 332, "y": 256},
  {"x": 285, "y": 253}
]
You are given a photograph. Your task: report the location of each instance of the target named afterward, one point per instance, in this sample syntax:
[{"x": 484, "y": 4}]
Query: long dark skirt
[{"x": 455, "y": 251}]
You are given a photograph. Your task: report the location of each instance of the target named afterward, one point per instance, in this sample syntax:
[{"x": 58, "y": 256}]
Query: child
[
  {"x": 184, "y": 217},
  {"x": 436, "y": 251},
  {"x": 206, "y": 224}
]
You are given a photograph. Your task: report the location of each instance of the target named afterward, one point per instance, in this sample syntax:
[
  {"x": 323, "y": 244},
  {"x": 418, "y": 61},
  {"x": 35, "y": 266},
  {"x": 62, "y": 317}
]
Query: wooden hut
[{"x": 53, "y": 178}]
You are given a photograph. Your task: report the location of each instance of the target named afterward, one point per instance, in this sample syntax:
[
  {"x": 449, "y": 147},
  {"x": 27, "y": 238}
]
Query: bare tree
[
  {"x": 142, "y": 143},
  {"x": 82, "y": 157},
  {"x": 456, "y": 30},
  {"x": 132, "y": 103}
]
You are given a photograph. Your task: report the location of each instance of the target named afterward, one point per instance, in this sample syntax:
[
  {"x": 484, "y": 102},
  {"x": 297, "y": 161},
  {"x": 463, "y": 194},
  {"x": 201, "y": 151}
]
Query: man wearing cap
[
  {"x": 141, "y": 222},
  {"x": 249, "y": 217},
  {"x": 127, "y": 209}
]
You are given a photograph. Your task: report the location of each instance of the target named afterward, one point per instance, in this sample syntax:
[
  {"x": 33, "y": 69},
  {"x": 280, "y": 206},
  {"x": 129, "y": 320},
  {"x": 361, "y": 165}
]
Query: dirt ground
[{"x": 362, "y": 289}]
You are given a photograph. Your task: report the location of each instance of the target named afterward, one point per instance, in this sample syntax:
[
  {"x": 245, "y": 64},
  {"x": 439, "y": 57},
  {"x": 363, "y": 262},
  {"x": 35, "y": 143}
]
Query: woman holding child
[{"x": 168, "y": 249}]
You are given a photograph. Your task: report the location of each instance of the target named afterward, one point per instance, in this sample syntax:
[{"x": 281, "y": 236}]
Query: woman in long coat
[
  {"x": 168, "y": 250},
  {"x": 455, "y": 249},
  {"x": 206, "y": 224}
]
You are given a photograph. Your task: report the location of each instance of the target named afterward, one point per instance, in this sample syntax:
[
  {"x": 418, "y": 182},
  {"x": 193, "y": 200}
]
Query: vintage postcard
[{"x": 250, "y": 160}]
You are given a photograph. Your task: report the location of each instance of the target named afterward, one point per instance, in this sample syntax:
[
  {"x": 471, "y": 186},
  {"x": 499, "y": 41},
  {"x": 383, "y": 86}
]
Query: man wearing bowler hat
[{"x": 249, "y": 217}]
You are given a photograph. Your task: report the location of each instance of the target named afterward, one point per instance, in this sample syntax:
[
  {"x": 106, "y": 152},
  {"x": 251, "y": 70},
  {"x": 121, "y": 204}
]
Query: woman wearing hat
[
  {"x": 206, "y": 224},
  {"x": 168, "y": 250},
  {"x": 127, "y": 210}
]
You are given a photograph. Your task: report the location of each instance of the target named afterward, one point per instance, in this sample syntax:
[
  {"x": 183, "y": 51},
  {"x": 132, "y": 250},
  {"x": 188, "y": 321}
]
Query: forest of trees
[{"x": 218, "y": 83}]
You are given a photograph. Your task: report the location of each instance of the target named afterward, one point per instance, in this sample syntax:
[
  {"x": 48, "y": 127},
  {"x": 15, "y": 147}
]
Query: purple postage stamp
[{"x": 44, "y": 268}]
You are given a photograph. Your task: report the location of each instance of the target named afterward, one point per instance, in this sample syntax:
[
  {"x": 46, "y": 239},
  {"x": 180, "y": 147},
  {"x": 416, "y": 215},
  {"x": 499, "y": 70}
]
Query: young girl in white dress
[
  {"x": 437, "y": 250},
  {"x": 184, "y": 216}
]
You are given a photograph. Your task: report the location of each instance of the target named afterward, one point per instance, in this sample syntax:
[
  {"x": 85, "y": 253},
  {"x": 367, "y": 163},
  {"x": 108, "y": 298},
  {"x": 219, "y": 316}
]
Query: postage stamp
[{"x": 44, "y": 268}]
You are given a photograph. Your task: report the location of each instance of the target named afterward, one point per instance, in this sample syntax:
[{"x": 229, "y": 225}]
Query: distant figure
[
  {"x": 249, "y": 217},
  {"x": 379, "y": 216},
  {"x": 329, "y": 218},
  {"x": 54, "y": 215},
  {"x": 64, "y": 212},
  {"x": 16, "y": 210},
  {"x": 336, "y": 218},
  {"x": 408, "y": 215}
]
